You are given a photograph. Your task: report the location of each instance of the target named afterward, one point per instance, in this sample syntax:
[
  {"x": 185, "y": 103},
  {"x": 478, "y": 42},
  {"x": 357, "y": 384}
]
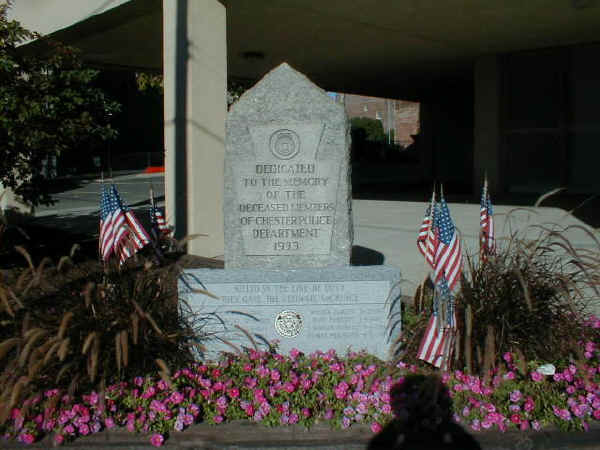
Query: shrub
[
  {"x": 92, "y": 328},
  {"x": 48, "y": 106}
]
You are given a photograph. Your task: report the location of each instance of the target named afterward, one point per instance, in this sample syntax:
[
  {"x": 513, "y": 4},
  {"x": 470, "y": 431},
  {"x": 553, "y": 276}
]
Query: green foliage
[
  {"x": 149, "y": 82},
  {"x": 366, "y": 129},
  {"x": 48, "y": 106}
]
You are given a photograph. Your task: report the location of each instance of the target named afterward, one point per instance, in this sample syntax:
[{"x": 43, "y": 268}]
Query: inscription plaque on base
[{"x": 308, "y": 309}]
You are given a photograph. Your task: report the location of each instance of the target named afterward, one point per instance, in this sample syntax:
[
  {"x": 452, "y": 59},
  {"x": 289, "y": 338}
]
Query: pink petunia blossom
[
  {"x": 536, "y": 376},
  {"x": 376, "y": 427},
  {"x": 515, "y": 396},
  {"x": 157, "y": 439}
]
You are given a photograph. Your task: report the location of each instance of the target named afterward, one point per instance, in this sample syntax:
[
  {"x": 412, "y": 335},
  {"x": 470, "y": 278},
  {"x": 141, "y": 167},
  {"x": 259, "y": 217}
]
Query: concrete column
[
  {"x": 487, "y": 138},
  {"x": 195, "y": 86}
]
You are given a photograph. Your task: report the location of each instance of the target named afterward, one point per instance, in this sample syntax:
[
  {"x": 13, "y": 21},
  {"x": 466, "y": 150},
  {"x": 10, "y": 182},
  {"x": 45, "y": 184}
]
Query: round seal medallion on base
[
  {"x": 284, "y": 144},
  {"x": 288, "y": 323}
]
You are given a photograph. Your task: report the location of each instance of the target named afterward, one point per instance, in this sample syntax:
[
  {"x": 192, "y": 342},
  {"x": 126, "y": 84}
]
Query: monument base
[{"x": 340, "y": 308}]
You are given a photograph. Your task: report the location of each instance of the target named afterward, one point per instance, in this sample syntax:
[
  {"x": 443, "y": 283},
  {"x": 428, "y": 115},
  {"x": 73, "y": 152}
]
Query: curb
[{"x": 246, "y": 435}]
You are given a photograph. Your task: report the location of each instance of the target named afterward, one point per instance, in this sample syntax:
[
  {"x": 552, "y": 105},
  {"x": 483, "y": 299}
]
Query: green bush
[{"x": 48, "y": 106}]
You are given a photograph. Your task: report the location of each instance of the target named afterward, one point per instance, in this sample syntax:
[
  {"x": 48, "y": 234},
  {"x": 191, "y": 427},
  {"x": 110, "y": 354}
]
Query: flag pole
[{"x": 427, "y": 274}]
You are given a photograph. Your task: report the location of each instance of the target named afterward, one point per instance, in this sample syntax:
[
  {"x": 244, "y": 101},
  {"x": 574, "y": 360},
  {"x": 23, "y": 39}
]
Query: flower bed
[{"x": 278, "y": 390}]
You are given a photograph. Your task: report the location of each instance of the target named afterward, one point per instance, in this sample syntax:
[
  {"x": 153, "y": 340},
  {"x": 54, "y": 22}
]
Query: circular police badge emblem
[
  {"x": 284, "y": 144},
  {"x": 288, "y": 323}
]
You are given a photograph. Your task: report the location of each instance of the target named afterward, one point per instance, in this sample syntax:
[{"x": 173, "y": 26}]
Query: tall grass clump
[
  {"x": 92, "y": 328},
  {"x": 531, "y": 298}
]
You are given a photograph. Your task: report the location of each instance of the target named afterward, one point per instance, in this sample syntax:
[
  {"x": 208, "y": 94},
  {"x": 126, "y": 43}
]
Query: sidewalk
[{"x": 246, "y": 435}]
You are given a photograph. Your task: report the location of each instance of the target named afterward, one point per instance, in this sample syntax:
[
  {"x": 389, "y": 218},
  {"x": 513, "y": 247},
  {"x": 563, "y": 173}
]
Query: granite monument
[{"x": 288, "y": 232}]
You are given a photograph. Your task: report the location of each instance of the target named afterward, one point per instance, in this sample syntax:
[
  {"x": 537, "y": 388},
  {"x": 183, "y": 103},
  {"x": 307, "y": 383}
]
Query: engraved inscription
[
  {"x": 307, "y": 315},
  {"x": 287, "y": 205}
]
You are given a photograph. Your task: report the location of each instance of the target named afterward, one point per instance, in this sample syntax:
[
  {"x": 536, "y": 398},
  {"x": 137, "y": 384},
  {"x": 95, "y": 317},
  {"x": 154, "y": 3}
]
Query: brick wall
[{"x": 400, "y": 115}]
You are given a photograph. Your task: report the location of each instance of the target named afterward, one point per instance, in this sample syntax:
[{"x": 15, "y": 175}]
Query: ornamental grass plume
[
  {"x": 93, "y": 328},
  {"x": 530, "y": 298}
]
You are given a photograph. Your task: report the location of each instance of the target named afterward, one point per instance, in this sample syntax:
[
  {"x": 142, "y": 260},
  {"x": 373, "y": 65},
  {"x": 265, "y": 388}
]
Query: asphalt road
[
  {"x": 77, "y": 206},
  {"x": 83, "y": 195}
]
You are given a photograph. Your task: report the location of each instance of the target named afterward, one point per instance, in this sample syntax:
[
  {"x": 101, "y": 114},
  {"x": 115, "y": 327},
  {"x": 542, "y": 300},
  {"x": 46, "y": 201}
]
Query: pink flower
[
  {"x": 157, "y": 439},
  {"x": 557, "y": 376},
  {"x": 218, "y": 419},
  {"x": 510, "y": 375},
  {"x": 564, "y": 414},
  {"x": 476, "y": 425},
  {"x": 250, "y": 382},
  {"x": 516, "y": 419},
  {"x": 329, "y": 414},
  {"x": 515, "y": 396},
  {"x": 489, "y": 407},
  {"x": 233, "y": 392},
  {"x": 222, "y": 402},
  {"x": 535, "y": 425},
  {"x": 176, "y": 398},
  {"x": 486, "y": 424},
  {"x": 345, "y": 422},
  {"x": 306, "y": 412},
  {"x": 536, "y": 376},
  {"x": 341, "y": 390},
  {"x": 507, "y": 357},
  {"x": 596, "y": 414},
  {"x": 524, "y": 425},
  {"x": 27, "y": 438},
  {"x": 376, "y": 427},
  {"x": 275, "y": 375},
  {"x": 59, "y": 439},
  {"x": 529, "y": 404},
  {"x": 294, "y": 353},
  {"x": 293, "y": 418},
  {"x": 109, "y": 423}
]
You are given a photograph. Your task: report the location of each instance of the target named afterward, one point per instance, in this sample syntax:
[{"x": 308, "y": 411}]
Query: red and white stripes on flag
[
  {"x": 437, "y": 345},
  {"x": 487, "y": 243},
  {"x": 120, "y": 231},
  {"x": 426, "y": 240},
  {"x": 448, "y": 256}
]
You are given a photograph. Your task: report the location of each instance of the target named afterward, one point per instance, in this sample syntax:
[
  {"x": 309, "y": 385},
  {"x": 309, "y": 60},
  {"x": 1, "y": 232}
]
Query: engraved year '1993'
[{"x": 289, "y": 245}]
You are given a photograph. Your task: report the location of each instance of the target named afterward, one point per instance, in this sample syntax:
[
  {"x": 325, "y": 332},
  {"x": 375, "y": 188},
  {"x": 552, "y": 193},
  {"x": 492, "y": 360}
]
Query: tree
[
  {"x": 373, "y": 129},
  {"x": 48, "y": 106}
]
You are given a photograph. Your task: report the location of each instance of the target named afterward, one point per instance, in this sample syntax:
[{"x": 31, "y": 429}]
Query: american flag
[
  {"x": 448, "y": 255},
  {"x": 438, "y": 342},
  {"x": 487, "y": 244},
  {"x": 426, "y": 240},
  {"x": 120, "y": 231},
  {"x": 157, "y": 219}
]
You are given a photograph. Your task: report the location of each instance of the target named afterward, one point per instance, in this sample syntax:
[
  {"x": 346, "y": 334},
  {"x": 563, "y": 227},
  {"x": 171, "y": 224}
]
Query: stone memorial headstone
[
  {"x": 287, "y": 190},
  {"x": 288, "y": 232}
]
